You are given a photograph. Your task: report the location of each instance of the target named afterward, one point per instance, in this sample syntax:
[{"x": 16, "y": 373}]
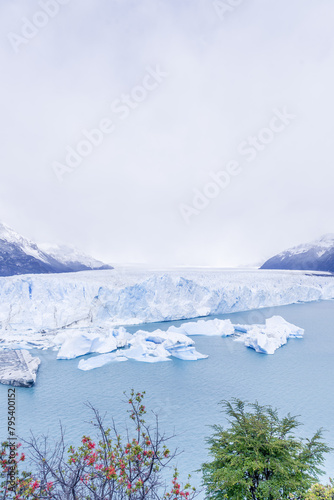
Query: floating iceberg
[
  {"x": 74, "y": 343},
  {"x": 187, "y": 353},
  {"x": 158, "y": 346},
  {"x": 211, "y": 327},
  {"x": 98, "y": 361},
  {"x": 268, "y": 338},
  {"x": 147, "y": 347}
]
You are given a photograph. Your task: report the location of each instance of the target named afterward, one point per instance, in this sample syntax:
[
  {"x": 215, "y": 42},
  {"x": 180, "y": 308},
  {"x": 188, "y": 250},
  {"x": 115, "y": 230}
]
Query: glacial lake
[{"x": 298, "y": 379}]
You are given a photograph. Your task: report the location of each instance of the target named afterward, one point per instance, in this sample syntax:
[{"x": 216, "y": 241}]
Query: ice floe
[
  {"x": 18, "y": 368},
  {"x": 101, "y": 360},
  {"x": 148, "y": 347},
  {"x": 221, "y": 327},
  {"x": 74, "y": 343},
  {"x": 269, "y": 337}
]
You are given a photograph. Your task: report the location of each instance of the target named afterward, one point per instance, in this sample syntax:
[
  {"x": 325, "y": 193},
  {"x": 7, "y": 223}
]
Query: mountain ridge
[
  {"x": 318, "y": 255},
  {"x": 19, "y": 255}
]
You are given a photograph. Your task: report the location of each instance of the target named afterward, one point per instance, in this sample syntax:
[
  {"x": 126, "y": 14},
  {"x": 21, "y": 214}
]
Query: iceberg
[
  {"x": 268, "y": 338},
  {"x": 221, "y": 327},
  {"x": 187, "y": 354},
  {"x": 158, "y": 346},
  {"x": 98, "y": 361},
  {"x": 18, "y": 368},
  {"x": 74, "y": 343},
  {"x": 147, "y": 347}
]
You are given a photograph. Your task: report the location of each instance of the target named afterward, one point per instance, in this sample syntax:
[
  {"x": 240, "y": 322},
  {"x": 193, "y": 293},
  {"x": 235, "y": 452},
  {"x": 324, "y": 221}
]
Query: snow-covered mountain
[
  {"x": 315, "y": 256},
  {"x": 70, "y": 256},
  {"x": 18, "y": 255}
]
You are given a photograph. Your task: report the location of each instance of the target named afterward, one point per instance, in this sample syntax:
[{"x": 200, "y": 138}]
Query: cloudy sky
[{"x": 217, "y": 126}]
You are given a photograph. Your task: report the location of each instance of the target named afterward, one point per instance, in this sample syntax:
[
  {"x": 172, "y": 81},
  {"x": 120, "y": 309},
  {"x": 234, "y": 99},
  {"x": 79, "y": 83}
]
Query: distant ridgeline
[
  {"x": 18, "y": 255},
  {"x": 315, "y": 256}
]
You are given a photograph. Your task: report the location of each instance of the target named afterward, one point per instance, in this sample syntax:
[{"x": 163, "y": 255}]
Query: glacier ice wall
[{"x": 47, "y": 303}]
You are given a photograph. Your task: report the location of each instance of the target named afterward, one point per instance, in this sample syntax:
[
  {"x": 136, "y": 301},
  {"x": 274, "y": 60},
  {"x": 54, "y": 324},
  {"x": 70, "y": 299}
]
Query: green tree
[
  {"x": 321, "y": 492},
  {"x": 259, "y": 457}
]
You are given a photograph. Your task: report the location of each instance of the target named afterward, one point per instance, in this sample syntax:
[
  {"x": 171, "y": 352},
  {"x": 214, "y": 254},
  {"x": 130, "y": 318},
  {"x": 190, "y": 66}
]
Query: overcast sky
[{"x": 242, "y": 92}]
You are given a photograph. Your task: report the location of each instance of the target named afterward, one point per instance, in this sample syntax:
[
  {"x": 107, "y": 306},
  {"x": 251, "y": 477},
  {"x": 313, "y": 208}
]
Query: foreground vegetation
[
  {"x": 109, "y": 468},
  {"x": 258, "y": 457}
]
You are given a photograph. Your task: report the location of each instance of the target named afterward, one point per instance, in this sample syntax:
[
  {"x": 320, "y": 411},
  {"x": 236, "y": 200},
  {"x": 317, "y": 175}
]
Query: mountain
[
  {"x": 315, "y": 256},
  {"x": 70, "y": 256},
  {"x": 18, "y": 255}
]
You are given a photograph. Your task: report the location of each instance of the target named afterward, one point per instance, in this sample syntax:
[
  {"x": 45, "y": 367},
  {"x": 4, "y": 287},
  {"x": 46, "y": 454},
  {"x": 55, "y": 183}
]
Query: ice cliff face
[
  {"x": 43, "y": 304},
  {"x": 315, "y": 256},
  {"x": 18, "y": 255},
  {"x": 77, "y": 314},
  {"x": 18, "y": 368}
]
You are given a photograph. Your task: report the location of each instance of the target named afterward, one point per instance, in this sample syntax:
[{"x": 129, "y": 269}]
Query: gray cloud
[{"x": 225, "y": 78}]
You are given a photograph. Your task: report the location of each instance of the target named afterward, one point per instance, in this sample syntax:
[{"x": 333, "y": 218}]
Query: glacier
[
  {"x": 88, "y": 312},
  {"x": 45, "y": 304}
]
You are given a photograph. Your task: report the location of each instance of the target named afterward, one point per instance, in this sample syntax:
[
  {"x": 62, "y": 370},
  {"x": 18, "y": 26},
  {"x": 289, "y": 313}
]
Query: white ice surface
[
  {"x": 157, "y": 346},
  {"x": 147, "y": 347},
  {"x": 268, "y": 338},
  {"x": 98, "y": 361},
  {"x": 212, "y": 327},
  {"x": 78, "y": 312},
  {"x": 74, "y": 343},
  {"x": 18, "y": 368}
]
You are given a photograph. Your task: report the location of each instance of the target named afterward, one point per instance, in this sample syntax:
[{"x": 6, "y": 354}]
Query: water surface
[{"x": 298, "y": 378}]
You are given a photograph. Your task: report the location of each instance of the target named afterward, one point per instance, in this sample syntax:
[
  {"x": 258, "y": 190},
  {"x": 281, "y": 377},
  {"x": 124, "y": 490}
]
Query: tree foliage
[
  {"x": 259, "y": 456},
  {"x": 110, "y": 467},
  {"x": 321, "y": 492}
]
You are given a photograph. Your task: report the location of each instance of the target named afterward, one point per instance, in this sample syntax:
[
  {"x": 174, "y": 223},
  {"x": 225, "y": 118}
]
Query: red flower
[{"x": 35, "y": 485}]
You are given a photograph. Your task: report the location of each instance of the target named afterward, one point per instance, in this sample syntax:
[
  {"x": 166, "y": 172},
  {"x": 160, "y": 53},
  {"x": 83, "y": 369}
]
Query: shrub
[{"x": 110, "y": 467}]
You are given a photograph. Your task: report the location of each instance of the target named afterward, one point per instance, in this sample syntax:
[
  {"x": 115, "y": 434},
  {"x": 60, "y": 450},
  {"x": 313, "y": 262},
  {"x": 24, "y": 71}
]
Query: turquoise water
[{"x": 298, "y": 378}]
